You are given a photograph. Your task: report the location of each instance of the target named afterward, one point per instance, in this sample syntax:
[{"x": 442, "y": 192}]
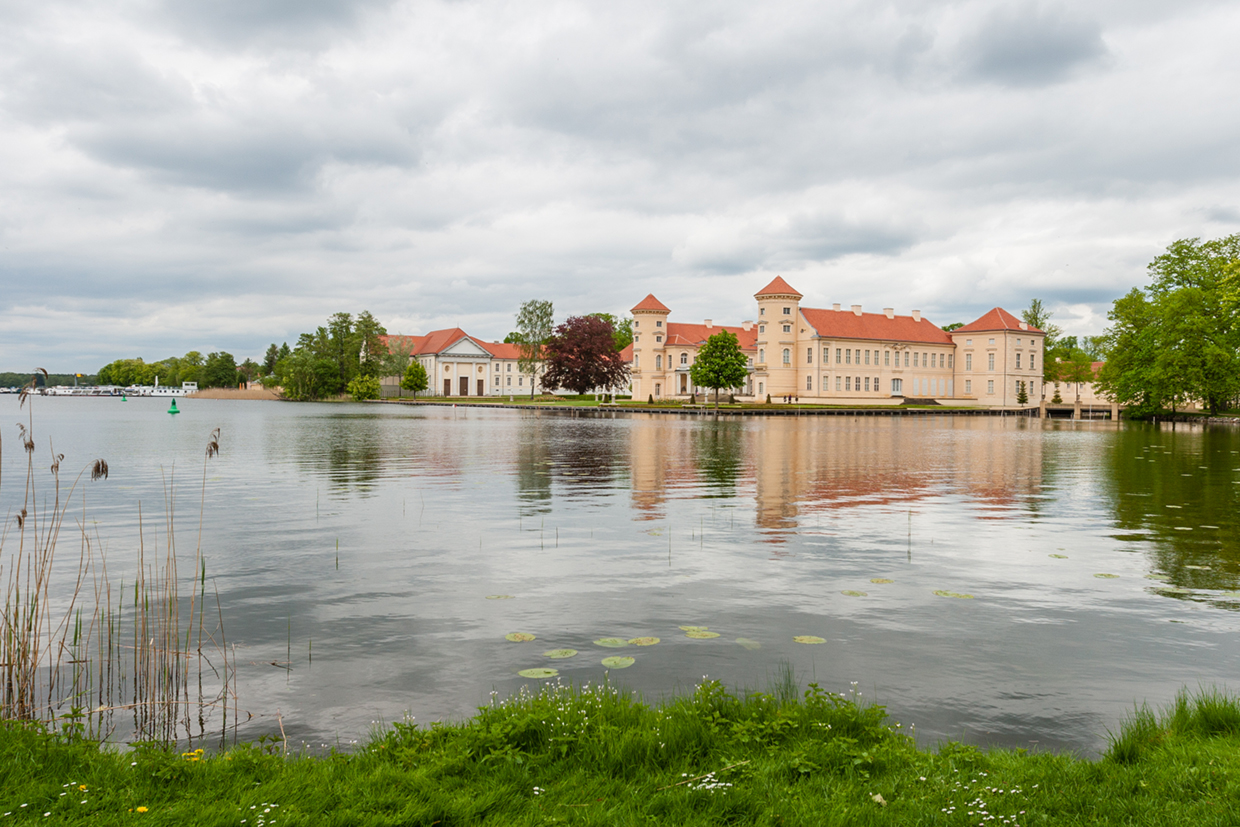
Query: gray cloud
[{"x": 1031, "y": 44}]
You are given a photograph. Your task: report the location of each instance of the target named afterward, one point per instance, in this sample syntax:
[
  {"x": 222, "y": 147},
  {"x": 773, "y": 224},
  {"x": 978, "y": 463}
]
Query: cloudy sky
[{"x": 180, "y": 174}]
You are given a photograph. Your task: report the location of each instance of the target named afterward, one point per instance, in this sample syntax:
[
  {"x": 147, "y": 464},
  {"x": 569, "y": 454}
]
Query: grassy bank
[{"x": 596, "y": 756}]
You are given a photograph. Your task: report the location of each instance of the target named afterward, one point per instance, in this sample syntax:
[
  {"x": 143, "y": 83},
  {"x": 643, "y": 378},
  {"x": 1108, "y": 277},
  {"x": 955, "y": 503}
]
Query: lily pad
[
  {"x": 643, "y": 641},
  {"x": 538, "y": 673},
  {"x": 1173, "y": 590},
  {"x": 808, "y": 639},
  {"x": 1106, "y": 576},
  {"x": 611, "y": 642},
  {"x": 701, "y": 634},
  {"x": 854, "y": 593},
  {"x": 499, "y": 597},
  {"x": 1058, "y": 556},
  {"x": 958, "y": 595},
  {"x": 518, "y": 637},
  {"x": 618, "y": 662},
  {"x": 1198, "y": 568},
  {"x": 749, "y": 644},
  {"x": 881, "y": 580},
  {"x": 560, "y": 653},
  {"x": 1155, "y": 577},
  {"x": 694, "y": 628}
]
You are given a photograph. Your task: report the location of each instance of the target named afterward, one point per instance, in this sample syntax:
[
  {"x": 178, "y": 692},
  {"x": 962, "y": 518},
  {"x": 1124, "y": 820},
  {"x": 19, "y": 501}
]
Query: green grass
[{"x": 597, "y": 756}]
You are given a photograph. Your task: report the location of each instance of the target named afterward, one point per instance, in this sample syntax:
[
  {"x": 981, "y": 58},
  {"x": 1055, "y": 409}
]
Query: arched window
[
  {"x": 761, "y": 356},
  {"x": 787, "y": 356},
  {"x": 658, "y": 362},
  {"x": 684, "y": 358}
]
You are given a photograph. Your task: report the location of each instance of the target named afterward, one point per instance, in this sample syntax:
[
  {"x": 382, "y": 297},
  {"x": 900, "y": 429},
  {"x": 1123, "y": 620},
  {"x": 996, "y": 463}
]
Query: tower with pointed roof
[
  {"x": 779, "y": 320},
  {"x": 650, "y": 369}
]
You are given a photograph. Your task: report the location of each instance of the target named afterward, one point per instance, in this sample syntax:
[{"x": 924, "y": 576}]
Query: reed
[{"x": 86, "y": 656}]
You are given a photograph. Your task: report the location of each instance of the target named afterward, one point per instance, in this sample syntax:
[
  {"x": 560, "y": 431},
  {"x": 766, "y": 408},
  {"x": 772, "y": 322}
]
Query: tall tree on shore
[
  {"x": 269, "y": 360},
  {"x": 535, "y": 320},
  {"x": 582, "y": 356},
  {"x": 720, "y": 363},
  {"x": 622, "y": 327},
  {"x": 1037, "y": 315},
  {"x": 415, "y": 378}
]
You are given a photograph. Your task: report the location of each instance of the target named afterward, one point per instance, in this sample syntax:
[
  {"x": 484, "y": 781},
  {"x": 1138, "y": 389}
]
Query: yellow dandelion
[
  {"x": 142, "y": 809},
  {"x": 82, "y": 787}
]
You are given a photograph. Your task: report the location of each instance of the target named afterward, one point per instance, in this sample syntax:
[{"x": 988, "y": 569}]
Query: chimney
[
  {"x": 708, "y": 324},
  {"x": 917, "y": 315},
  {"x": 835, "y": 306},
  {"x": 746, "y": 325},
  {"x": 889, "y": 312},
  {"x": 1024, "y": 326},
  {"x": 856, "y": 309}
]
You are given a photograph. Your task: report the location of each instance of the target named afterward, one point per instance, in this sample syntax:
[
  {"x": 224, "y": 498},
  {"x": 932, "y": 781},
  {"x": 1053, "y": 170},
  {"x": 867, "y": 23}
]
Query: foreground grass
[{"x": 595, "y": 756}]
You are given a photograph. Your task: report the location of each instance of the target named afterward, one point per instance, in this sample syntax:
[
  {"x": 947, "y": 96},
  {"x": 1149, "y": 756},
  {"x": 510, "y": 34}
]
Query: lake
[{"x": 370, "y": 559}]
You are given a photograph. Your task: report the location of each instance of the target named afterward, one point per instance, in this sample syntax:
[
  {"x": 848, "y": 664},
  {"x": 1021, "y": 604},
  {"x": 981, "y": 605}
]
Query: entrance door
[
  {"x": 464, "y": 386},
  {"x": 897, "y": 387},
  {"x": 684, "y": 383},
  {"x": 447, "y": 387},
  {"x": 482, "y": 387}
]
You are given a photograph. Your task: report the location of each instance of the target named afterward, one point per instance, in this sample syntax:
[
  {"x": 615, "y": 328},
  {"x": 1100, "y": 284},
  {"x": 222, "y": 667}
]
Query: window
[
  {"x": 847, "y": 383},
  {"x": 787, "y": 356},
  {"x": 809, "y": 383},
  {"x": 925, "y": 357},
  {"x": 867, "y": 357},
  {"x": 509, "y": 382},
  {"x": 968, "y": 341},
  {"x": 867, "y": 384},
  {"x": 637, "y": 360},
  {"x": 1030, "y": 361},
  {"x": 1018, "y": 361},
  {"x": 968, "y": 387},
  {"x": 658, "y": 362},
  {"x": 684, "y": 358},
  {"x": 637, "y": 323},
  {"x": 990, "y": 361},
  {"x": 848, "y": 356},
  {"x": 1018, "y": 384},
  {"x": 992, "y": 341},
  {"x": 951, "y": 361},
  {"x": 787, "y": 311},
  {"x": 968, "y": 361},
  {"x": 906, "y": 358},
  {"x": 658, "y": 389},
  {"x": 520, "y": 381},
  {"x": 837, "y": 356},
  {"x": 761, "y": 312},
  {"x": 762, "y": 328},
  {"x": 990, "y": 386},
  {"x": 760, "y": 384},
  {"x": 809, "y": 356},
  {"x": 826, "y": 355},
  {"x": 510, "y": 367},
  {"x": 876, "y": 384},
  {"x": 658, "y": 324},
  {"x": 887, "y": 358},
  {"x": 787, "y": 328},
  {"x": 934, "y": 360},
  {"x": 1018, "y": 342},
  {"x": 837, "y": 383},
  {"x": 914, "y": 360},
  {"x": 497, "y": 381},
  {"x": 761, "y": 355}
]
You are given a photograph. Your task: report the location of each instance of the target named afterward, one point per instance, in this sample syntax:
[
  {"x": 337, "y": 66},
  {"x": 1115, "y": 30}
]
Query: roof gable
[
  {"x": 997, "y": 319},
  {"x": 650, "y": 303},
  {"x": 777, "y": 287},
  {"x": 845, "y": 324},
  {"x": 465, "y": 346}
]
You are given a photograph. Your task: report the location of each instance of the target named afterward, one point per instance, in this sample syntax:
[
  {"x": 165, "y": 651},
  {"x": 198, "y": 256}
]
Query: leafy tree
[
  {"x": 284, "y": 351},
  {"x": 582, "y": 356},
  {"x": 364, "y": 387},
  {"x": 249, "y": 369},
  {"x": 622, "y": 327},
  {"x": 399, "y": 354},
  {"x": 219, "y": 371},
  {"x": 1077, "y": 370},
  {"x": 1037, "y": 315},
  {"x": 415, "y": 378},
  {"x": 534, "y": 328},
  {"x": 269, "y": 360},
  {"x": 371, "y": 351},
  {"x": 720, "y": 364},
  {"x": 953, "y": 326}
]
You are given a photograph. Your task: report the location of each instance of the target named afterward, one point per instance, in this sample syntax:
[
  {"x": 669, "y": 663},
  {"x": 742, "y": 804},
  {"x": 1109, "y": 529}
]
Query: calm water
[{"x": 369, "y": 538}]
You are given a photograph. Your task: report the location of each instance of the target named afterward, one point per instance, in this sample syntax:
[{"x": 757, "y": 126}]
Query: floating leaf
[
  {"x": 560, "y": 653},
  {"x": 618, "y": 662},
  {"x": 499, "y": 597},
  {"x": 1173, "y": 590},
  {"x": 1106, "y": 576},
  {"x": 1198, "y": 568},
  {"x": 1209, "y": 526},
  {"x": 808, "y": 639},
  {"x": 643, "y": 641},
  {"x": 694, "y": 628},
  {"x": 1155, "y": 577},
  {"x": 881, "y": 580},
  {"x": 958, "y": 595},
  {"x": 701, "y": 634},
  {"x": 538, "y": 673},
  {"x": 611, "y": 642},
  {"x": 1058, "y": 556},
  {"x": 854, "y": 593},
  {"x": 518, "y": 637},
  {"x": 1182, "y": 527},
  {"x": 1229, "y": 594},
  {"x": 749, "y": 644}
]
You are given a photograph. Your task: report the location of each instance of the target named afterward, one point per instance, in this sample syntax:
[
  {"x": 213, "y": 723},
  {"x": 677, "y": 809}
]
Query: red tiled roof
[
  {"x": 627, "y": 353},
  {"x": 778, "y": 287},
  {"x": 438, "y": 341},
  {"x": 844, "y": 324},
  {"x": 651, "y": 303},
  {"x": 695, "y": 335},
  {"x": 502, "y": 350},
  {"x": 996, "y": 319}
]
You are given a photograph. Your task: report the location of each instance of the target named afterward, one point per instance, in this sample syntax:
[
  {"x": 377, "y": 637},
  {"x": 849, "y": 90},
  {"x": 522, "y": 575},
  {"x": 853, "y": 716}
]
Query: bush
[{"x": 363, "y": 388}]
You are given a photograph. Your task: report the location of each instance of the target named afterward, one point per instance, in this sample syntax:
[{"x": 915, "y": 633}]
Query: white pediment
[{"x": 466, "y": 347}]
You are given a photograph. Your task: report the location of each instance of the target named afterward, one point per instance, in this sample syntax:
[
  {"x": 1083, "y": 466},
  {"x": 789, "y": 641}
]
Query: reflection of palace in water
[{"x": 795, "y": 467}]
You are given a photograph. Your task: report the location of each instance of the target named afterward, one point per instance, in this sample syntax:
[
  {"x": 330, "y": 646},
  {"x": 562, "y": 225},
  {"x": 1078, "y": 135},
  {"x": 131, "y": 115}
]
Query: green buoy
[
  {"x": 123, "y": 399},
  {"x": 173, "y": 409}
]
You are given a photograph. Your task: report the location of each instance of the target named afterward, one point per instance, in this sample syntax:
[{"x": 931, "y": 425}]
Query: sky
[{"x": 181, "y": 175}]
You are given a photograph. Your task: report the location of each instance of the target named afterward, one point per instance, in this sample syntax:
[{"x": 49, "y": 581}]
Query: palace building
[{"x": 841, "y": 356}]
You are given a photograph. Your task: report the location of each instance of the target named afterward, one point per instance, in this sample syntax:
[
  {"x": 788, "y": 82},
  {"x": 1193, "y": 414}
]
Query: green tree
[
  {"x": 535, "y": 320},
  {"x": 1131, "y": 375},
  {"x": 362, "y": 387},
  {"x": 415, "y": 378},
  {"x": 269, "y": 360},
  {"x": 219, "y": 371},
  {"x": 953, "y": 326},
  {"x": 1077, "y": 370},
  {"x": 399, "y": 354},
  {"x": 368, "y": 338},
  {"x": 582, "y": 356},
  {"x": 1037, "y": 315},
  {"x": 1022, "y": 395},
  {"x": 622, "y": 328},
  {"x": 720, "y": 364}
]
